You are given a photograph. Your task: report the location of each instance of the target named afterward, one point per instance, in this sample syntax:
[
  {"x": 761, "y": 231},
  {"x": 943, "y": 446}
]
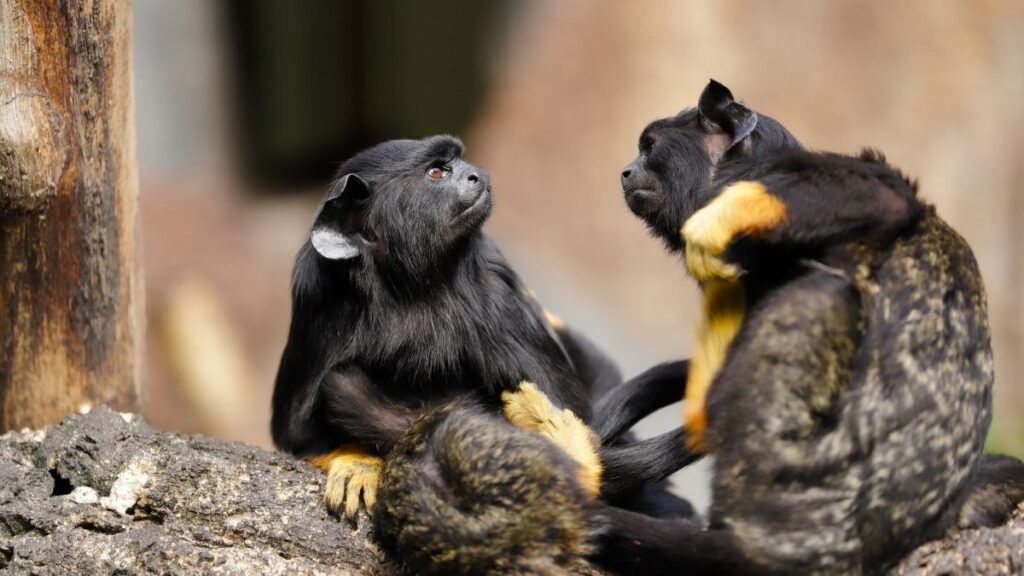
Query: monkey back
[{"x": 855, "y": 403}]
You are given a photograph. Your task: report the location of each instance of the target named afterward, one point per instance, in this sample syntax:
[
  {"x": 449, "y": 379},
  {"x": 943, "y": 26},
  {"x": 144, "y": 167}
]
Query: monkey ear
[
  {"x": 717, "y": 105},
  {"x": 339, "y": 221}
]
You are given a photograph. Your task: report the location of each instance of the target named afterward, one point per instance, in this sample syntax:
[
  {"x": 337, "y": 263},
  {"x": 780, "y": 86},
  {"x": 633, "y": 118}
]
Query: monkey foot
[
  {"x": 529, "y": 408},
  {"x": 351, "y": 472}
]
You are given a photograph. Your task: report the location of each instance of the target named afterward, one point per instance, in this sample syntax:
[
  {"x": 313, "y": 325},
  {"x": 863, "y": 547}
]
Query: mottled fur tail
[{"x": 465, "y": 492}]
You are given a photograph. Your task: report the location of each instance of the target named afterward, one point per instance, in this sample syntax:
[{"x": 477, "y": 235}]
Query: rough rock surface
[
  {"x": 988, "y": 551},
  {"x": 103, "y": 493}
]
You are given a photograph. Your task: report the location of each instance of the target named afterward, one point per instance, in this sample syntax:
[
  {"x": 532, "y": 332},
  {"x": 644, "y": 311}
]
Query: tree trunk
[{"x": 70, "y": 283}]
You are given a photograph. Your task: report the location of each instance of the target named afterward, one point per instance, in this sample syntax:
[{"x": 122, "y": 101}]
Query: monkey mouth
[
  {"x": 482, "y": 198},
  {"x": 477, "y": 211},
  {"x": 642, "y": 200}
]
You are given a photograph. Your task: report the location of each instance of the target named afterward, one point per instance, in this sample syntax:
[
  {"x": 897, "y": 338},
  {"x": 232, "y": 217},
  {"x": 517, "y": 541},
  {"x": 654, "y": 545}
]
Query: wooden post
[{"x": 70, "y": 281}]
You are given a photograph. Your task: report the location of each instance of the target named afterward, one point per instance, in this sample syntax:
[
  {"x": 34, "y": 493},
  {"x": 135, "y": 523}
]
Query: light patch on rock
[
  {"x": 85, "y": 407},
  {"x": 128, "y": 487},
  {"x": 128, "y": 417},
  {"x": 26, "y": 434},
  {"x": 84, "y": 495}
]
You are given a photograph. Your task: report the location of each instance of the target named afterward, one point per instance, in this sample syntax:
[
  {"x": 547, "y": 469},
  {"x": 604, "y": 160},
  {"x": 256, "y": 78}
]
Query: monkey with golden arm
[{"x": 843, "y": 371}]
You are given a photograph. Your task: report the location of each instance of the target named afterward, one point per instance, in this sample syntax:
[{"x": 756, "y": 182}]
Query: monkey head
[
  {"x": 402, "y": 206},
  {"x": 679, "y": 157}
]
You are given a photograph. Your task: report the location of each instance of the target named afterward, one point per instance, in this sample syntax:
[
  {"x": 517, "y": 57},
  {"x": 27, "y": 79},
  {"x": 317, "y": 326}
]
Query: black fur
[
  {"x": 400, "y": 302},
  {"x": 848, "y": 419},
  {"x": 624, "y": 405}
]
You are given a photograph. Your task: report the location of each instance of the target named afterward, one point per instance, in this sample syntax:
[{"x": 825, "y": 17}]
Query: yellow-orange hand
[
  {"x": 351, "y": 472},
  {"x": 742, "y": 208},
  {"x": 529, "y": 408}
]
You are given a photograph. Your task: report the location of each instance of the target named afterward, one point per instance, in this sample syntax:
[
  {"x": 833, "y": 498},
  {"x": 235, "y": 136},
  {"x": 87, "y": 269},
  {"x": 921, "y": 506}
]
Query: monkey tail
[{"x": 465, "y": 492}]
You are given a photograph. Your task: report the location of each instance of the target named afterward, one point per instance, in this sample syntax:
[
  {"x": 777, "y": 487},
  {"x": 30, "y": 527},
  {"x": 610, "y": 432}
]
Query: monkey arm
[
  {"x": 608, "y": 470},
  {"x": 296, "y": 426},
  {"x": 352, "y": 404},
  {"x": 830, "y": 198},
  {"x": 800, "y": 198},
  {"x": 372, "y": 423}
]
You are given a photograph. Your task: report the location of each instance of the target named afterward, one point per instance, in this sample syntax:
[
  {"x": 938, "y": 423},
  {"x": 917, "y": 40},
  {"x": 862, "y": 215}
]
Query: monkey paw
[
  {"x": 704, "y": 264},
  {"x": 742, "y": 208},
  {"x": 529, "y": 408},
  {"x": 706, "y": 237},
  {"x": 351, "y": 472}
]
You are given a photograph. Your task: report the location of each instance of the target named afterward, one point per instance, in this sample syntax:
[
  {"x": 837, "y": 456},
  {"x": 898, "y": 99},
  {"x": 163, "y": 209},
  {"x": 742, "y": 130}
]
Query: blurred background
[{"x": 245, "y": 108}]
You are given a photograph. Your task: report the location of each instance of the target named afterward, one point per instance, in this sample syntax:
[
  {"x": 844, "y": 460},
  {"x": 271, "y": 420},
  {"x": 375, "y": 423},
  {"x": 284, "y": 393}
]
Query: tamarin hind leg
[
  {"x": 994, "y": 492},
  {"x": 352, "y": 472},
  {"x": 529, "y": 408}
]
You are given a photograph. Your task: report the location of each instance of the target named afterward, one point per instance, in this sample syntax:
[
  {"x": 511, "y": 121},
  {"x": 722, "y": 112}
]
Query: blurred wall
[{"x": 936, "y": 85}]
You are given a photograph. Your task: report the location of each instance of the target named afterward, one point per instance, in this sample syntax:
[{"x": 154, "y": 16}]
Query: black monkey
[
  {"x": 844, "y": 355},
  {"x": 400, "y": 303}
]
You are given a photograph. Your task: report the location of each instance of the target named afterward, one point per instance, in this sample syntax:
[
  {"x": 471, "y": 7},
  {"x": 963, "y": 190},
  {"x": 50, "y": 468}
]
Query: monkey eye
[
  {"x": 646, "y": 143},
  {"x": 438, "y": 172}
]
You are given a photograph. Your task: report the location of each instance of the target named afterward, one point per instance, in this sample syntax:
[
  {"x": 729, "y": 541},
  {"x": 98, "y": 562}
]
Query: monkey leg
[
  {"x": 351, "y": 472},
  {"x": 529, "y": 408},
  {"x": 742, "y": 208}
]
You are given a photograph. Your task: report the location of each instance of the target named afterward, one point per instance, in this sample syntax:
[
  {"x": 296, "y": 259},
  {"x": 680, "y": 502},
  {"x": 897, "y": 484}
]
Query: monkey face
[
  {"x": 679, "y": 157},
  {"x": 406, "y": 204},
  {"x": 673, "y": 164}
]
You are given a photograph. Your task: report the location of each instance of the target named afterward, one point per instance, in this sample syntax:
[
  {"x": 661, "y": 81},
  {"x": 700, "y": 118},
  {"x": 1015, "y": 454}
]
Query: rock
[
  {"x": 103, "y": 493},
  {"x": 986, "y": 551}
]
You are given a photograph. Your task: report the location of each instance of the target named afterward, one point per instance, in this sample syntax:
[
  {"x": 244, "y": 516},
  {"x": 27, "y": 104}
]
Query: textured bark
[
  {"x": 71, "y": 289},
  {"x": 103, "y": 493}
]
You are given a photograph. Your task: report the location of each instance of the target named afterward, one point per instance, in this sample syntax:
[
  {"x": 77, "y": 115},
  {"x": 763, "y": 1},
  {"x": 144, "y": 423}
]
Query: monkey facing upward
[
  {"x": 400, "y": 302},
  {"x": 843, "y": 379}
]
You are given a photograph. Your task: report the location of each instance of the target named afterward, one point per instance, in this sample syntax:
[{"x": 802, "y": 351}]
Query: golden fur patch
[
  {"x": 529, "y": 408},
  {"x": 742, "y": 208},
  {"x": 724, "y": 307},
  {"x": 553, "y": 319}
]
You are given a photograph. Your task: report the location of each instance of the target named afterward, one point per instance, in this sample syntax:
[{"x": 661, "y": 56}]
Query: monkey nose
[
  {"x": 473, "y": 178},
  {"x": 626, "y": 173}
]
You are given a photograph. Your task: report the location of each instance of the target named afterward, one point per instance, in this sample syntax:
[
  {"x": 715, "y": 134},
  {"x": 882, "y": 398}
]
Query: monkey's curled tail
[{"x": 465, "y": 492}]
